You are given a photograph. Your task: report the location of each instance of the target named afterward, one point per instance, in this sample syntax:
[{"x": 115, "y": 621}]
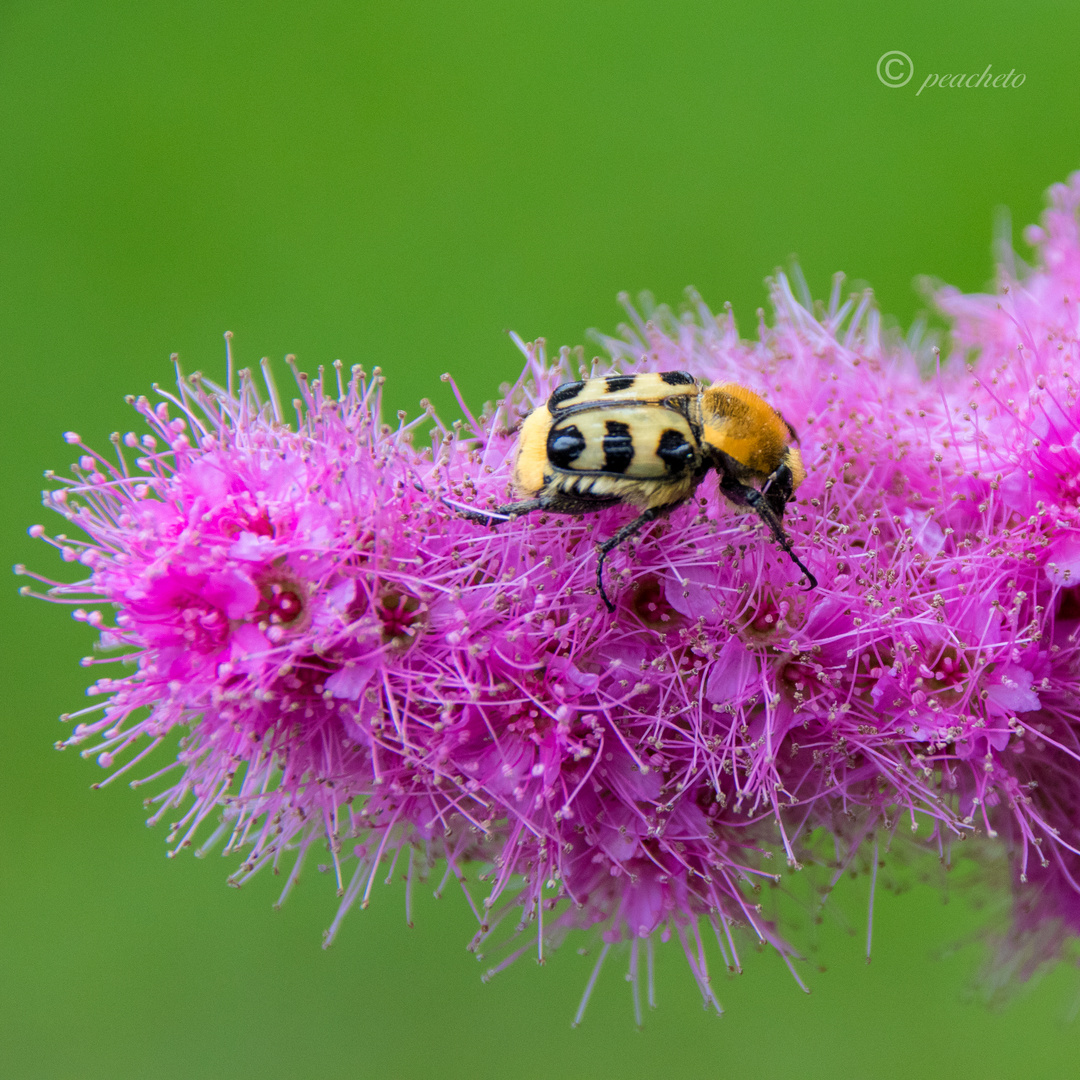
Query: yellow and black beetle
[{"x": 647, "y": 441}]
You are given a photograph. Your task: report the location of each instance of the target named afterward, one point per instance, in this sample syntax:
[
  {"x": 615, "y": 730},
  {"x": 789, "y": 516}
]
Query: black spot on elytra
[
  {"x": 564, "y": 445},
  {"x": 618, "y": 447},
  {"x": 618, "y": 382},
  {"x": 675, "y": 452},
  {"x": 565, "y": 392},
  {"x": 677, "y": 378}
]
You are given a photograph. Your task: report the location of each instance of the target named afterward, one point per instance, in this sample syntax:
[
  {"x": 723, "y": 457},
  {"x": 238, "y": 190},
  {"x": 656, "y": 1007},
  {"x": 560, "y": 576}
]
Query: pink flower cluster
[{"x": 351, "y": 666}]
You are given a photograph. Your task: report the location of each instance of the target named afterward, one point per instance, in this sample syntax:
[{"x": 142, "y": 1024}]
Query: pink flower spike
[{"x": 355, "y": 664}]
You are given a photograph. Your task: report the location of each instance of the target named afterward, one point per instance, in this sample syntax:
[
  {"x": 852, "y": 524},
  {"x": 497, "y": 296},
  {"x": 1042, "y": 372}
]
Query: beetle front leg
[
  {"x": 778, "y": 489},
  {"x": 745, "y": 495}
]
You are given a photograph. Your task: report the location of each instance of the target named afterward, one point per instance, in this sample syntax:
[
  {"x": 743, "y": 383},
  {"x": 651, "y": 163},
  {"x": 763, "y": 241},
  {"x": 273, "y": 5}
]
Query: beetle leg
[
  {"x": 500, "y": 513},
  {"x": 778, "y": 489},
  {"x": 628, "y": 530},
  {"x": 745, "y": 495},
  {"x": 526, "y": 506}
]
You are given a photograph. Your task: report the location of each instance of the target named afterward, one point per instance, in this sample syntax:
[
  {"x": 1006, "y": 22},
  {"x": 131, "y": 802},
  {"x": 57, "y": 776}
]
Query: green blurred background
[{"x": 398, "y": 184}]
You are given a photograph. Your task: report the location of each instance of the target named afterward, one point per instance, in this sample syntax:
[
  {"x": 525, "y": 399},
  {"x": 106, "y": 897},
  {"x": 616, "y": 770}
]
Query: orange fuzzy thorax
[{"x": 746, "y": 428}]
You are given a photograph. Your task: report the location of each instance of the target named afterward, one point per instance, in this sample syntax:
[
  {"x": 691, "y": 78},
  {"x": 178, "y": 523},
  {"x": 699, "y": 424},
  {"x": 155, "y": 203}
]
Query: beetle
[{"x": 648, "y": 440}]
